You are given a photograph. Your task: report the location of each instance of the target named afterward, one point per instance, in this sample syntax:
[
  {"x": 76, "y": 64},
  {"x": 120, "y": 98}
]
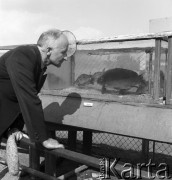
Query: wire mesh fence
[{"x": 123, "y": 147}]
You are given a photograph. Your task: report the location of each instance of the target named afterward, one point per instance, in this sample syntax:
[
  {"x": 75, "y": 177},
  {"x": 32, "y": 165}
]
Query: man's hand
[
  {"x": 52, "y": 144},
  {"x": 18, "y": 135}
]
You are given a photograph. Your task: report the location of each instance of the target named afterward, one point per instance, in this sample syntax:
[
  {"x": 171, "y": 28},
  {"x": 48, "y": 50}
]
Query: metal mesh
[
  {"x": 79, "y": 135},
  {"x": 113, "y": 140},
  {"x": 62, "y": 136},
  {"x": 163, "y": 148},
  {"x": 112, "y": 145}
]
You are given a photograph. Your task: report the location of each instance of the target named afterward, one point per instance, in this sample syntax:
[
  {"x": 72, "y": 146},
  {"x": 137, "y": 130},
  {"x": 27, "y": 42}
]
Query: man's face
[{"x": 59, "y": 51}]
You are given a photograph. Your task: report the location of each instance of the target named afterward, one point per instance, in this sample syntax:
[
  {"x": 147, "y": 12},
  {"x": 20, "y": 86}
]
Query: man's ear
[{"x": 49, "y": 51}]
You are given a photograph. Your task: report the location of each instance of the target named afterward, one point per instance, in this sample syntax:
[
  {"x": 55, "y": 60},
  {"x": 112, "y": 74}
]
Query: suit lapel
[
  {"x": 40, "y": 75},
  {"x": 41, "y": 79}
]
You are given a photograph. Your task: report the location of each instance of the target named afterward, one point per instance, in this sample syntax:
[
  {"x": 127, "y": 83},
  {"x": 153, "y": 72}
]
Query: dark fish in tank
[
  {"x": 121, "y": 80},
  {"x": 96, "y": 75},
  {"x": 83, "y": 80}
]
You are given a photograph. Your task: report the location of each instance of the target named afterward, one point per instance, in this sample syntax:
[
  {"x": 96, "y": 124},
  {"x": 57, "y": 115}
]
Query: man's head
[{"x": 53, "y": 45}]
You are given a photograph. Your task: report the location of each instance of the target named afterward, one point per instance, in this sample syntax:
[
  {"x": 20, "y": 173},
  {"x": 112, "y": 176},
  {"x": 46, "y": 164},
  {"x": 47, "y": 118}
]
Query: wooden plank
[
  {"x": 113, "y": 39},
  {"x": 169, "y": 71},
  {"x": 156, "y": 87},
  {"x": 71, "y": 173},
  {"x": 127, "y": 38}
]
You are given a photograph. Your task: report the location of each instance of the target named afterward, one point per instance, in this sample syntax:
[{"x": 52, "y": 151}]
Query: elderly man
[{"x": 21, "y": 78}]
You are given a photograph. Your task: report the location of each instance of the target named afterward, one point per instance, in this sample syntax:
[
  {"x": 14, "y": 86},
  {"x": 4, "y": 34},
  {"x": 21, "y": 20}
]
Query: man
[
  {"x": 21, "y": 78},
  {"x": 21, "y": 73}
]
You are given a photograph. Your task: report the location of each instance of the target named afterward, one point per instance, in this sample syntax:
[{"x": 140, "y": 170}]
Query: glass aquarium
[
  {"x": 130, "y": 70},
  {"x": 115, "y": 71}
]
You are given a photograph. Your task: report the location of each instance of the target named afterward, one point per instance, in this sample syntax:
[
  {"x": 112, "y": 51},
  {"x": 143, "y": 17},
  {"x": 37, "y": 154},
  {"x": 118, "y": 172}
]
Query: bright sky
[{"x": 22, "y": 21}]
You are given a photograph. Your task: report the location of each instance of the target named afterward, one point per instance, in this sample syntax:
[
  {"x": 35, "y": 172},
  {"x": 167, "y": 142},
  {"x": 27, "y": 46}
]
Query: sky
[{"x": 22, "y": 21}]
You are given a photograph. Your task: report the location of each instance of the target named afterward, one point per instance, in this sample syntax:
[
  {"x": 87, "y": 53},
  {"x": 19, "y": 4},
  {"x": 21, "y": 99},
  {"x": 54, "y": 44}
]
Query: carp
[
  {"x": 12, "y": 156},
  {"x": 96, "y": 75},
  {"x": 121, "y": 80},
  {"x": 83, "y": 80}
]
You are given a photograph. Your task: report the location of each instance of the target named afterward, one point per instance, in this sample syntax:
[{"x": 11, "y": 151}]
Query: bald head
[
  {"x": 61, "y": 41},
  {"x": 51, "y": 38}
]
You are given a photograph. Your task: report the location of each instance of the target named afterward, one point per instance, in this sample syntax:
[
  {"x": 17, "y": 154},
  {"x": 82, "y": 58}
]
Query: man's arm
[{"x": 21, "y": 71}]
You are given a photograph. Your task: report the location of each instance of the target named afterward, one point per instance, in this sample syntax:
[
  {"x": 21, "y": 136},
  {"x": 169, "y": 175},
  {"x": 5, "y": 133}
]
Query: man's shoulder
[
  {"x": 28, "y": 50},
  {"x": 24, "y": 54}
]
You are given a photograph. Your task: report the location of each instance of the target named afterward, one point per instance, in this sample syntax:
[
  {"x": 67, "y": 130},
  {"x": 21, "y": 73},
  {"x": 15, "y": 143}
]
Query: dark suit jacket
[{"x": 20, "y": 82}]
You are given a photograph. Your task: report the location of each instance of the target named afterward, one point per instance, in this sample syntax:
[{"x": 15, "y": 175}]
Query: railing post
[
  {"x": 72, "y": 139},
  {"x": 87, "y": 142},
  {"x": 145, "y": 149},
  {"x": 50, "y": 164},
  {"x": 169, "y": 71},
  {"x": 150, "y": 53},
  {"x": 150, "y": 72},
  {"x": 34, "y": 159},
  {"x": 165, "y": 74},
  {"x": 51, "y": 160},
  {"x": 156, "y": 88}
]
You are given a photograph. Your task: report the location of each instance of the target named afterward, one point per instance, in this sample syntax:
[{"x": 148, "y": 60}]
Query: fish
[
  {"x": 121, "y": 80},
  {"x": 12, "y": 156},
  {"x": 83, "y": 80},
  {"x": 96, "y": 75}
]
